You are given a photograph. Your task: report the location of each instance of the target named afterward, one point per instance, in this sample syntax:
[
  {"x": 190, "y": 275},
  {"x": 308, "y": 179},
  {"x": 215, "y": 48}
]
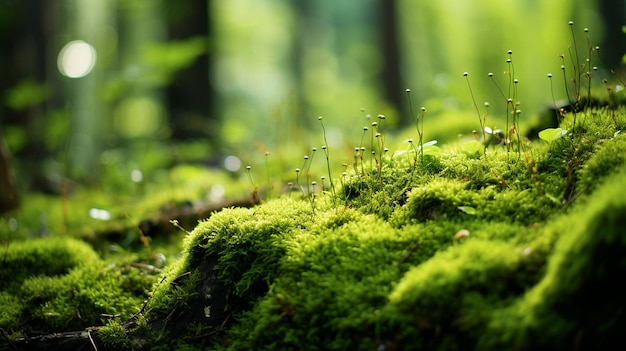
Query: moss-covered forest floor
[
  {"x": 512, "y": 246},
  {"x": 492, "y": 242}
]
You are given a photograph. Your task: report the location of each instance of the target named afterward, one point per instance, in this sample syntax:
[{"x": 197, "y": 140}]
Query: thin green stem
[{"x": 480, "y": 119}]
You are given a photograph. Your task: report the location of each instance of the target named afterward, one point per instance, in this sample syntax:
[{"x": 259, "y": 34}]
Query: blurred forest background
[{"x": 148, "y": 84}]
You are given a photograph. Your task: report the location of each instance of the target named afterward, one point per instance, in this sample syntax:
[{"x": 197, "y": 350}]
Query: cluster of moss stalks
[{"x": 520, "y": 249}]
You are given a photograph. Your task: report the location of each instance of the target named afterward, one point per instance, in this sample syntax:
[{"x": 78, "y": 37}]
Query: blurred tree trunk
[
  {"x": 23, "y": 40},
  {"x": 190, "y": 96},
  {"x": 89, "y": 21},
  {"x": 394, "y": 92},
  {"x": 613, "y": 13},
  {"x": 8, "y": 189}
]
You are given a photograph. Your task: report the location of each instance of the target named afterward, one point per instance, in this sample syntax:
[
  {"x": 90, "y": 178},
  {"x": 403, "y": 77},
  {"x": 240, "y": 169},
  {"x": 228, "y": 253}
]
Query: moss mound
[
  {"x": 60, "y": 284},
  {"x": 459, "y": 250}
]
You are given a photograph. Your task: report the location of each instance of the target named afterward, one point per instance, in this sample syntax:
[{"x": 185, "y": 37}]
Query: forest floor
[{"x": 510, "y": 244}]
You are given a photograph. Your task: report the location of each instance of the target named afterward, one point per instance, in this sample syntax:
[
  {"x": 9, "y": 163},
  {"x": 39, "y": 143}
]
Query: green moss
[
  {"x": 49, "y": 257},
  {"x": 79, "y": 298},
  {"x": 458, "y": 250},
  {"x": 230, "y": 261},
  {"x": 387, "y": 267},
  {"x": 449, "y": 298},
  {"x": 578, "y": 302},
  {"x": 11, "y": 311},
  {"x": 610, "y": 155},
  {"x": 61, "y": 284},
  {"x": 452, "y": 199},
  {"x": 113, "y": 336},
  {"x": 332, "y": 281}
]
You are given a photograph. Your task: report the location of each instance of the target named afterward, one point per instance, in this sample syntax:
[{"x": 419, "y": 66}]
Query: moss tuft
[{"x": 114, "y": 337}]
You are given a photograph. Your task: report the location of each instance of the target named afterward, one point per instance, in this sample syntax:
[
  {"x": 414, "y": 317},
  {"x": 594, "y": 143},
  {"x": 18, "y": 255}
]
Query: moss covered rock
[{"x": 512, "y": 250}]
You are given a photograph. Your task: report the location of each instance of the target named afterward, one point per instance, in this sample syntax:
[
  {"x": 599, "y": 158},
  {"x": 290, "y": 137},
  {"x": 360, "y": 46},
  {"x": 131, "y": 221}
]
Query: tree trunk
[
  {"x": 392, "y": 81},
  {"x": 8, "y": 190}
]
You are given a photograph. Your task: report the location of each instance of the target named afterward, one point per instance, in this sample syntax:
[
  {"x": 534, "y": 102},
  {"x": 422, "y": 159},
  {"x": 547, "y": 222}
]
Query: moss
[
  {"x": 449, "y": 299},
  {"x": 61, "y": 284},
  {"x": 577, "y": 303},
  {"x": 230, "y": 261},
  {"x": 609, "y": 155},
  {"x": 452, "y": 199},
  {"x": 331, "y": 284},
  {"x": 384, "y": 268},
  {"x": 113, "y": 336},
  {"x": 334, "y": 284},
  {"x": 79, "y": 298},
  {"x": 11, "y": 311},
  {"x": 49, "y": 256},
  {"x": 456, "y": 250}
]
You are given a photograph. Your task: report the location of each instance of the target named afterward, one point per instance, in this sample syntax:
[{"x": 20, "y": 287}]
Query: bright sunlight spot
[{"x": 76, "y": 59}]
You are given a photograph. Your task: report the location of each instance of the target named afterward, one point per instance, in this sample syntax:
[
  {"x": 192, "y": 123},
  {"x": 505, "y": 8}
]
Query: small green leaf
[
  {"x": 429, "y": 148},
  {"x": 468, "y": 209},
  {"x": 552, "y": 134}
]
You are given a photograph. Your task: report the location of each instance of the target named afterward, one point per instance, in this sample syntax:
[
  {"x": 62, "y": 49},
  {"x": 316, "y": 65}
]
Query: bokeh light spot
[
  {"x": 232, "y": 163},
  {"x": 76, "y": 59},
  {"x": 136, "y": 175}
]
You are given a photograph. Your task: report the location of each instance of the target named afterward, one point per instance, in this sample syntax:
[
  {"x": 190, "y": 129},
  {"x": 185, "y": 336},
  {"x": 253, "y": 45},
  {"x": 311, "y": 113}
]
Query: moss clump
[
  {"x": 58, "y": 284},
  {"x": 453, "y": 251},
  {"x": 610, "y": 154},
  {"x": 114, "y": 337},
  {"x": 333, "y": 280},
  {"x": 449, "y": 298},
  {"x": 452, "y": 199},
  {"x": 577, "y": 303},
  {"x": 231, "y": 260},
  {"x": 48, "y": 256}
]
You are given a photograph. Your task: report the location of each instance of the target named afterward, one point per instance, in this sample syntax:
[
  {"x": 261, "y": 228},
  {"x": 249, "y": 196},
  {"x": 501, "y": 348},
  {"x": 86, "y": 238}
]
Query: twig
[{"x": 91, "y": 339}]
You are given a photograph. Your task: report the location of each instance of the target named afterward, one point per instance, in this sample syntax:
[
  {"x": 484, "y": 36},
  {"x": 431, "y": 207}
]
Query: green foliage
[
  {"x": 166, "y": 59},
  {"x": 26, "y": 94},
  {"x": 463, "y": 246}
]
